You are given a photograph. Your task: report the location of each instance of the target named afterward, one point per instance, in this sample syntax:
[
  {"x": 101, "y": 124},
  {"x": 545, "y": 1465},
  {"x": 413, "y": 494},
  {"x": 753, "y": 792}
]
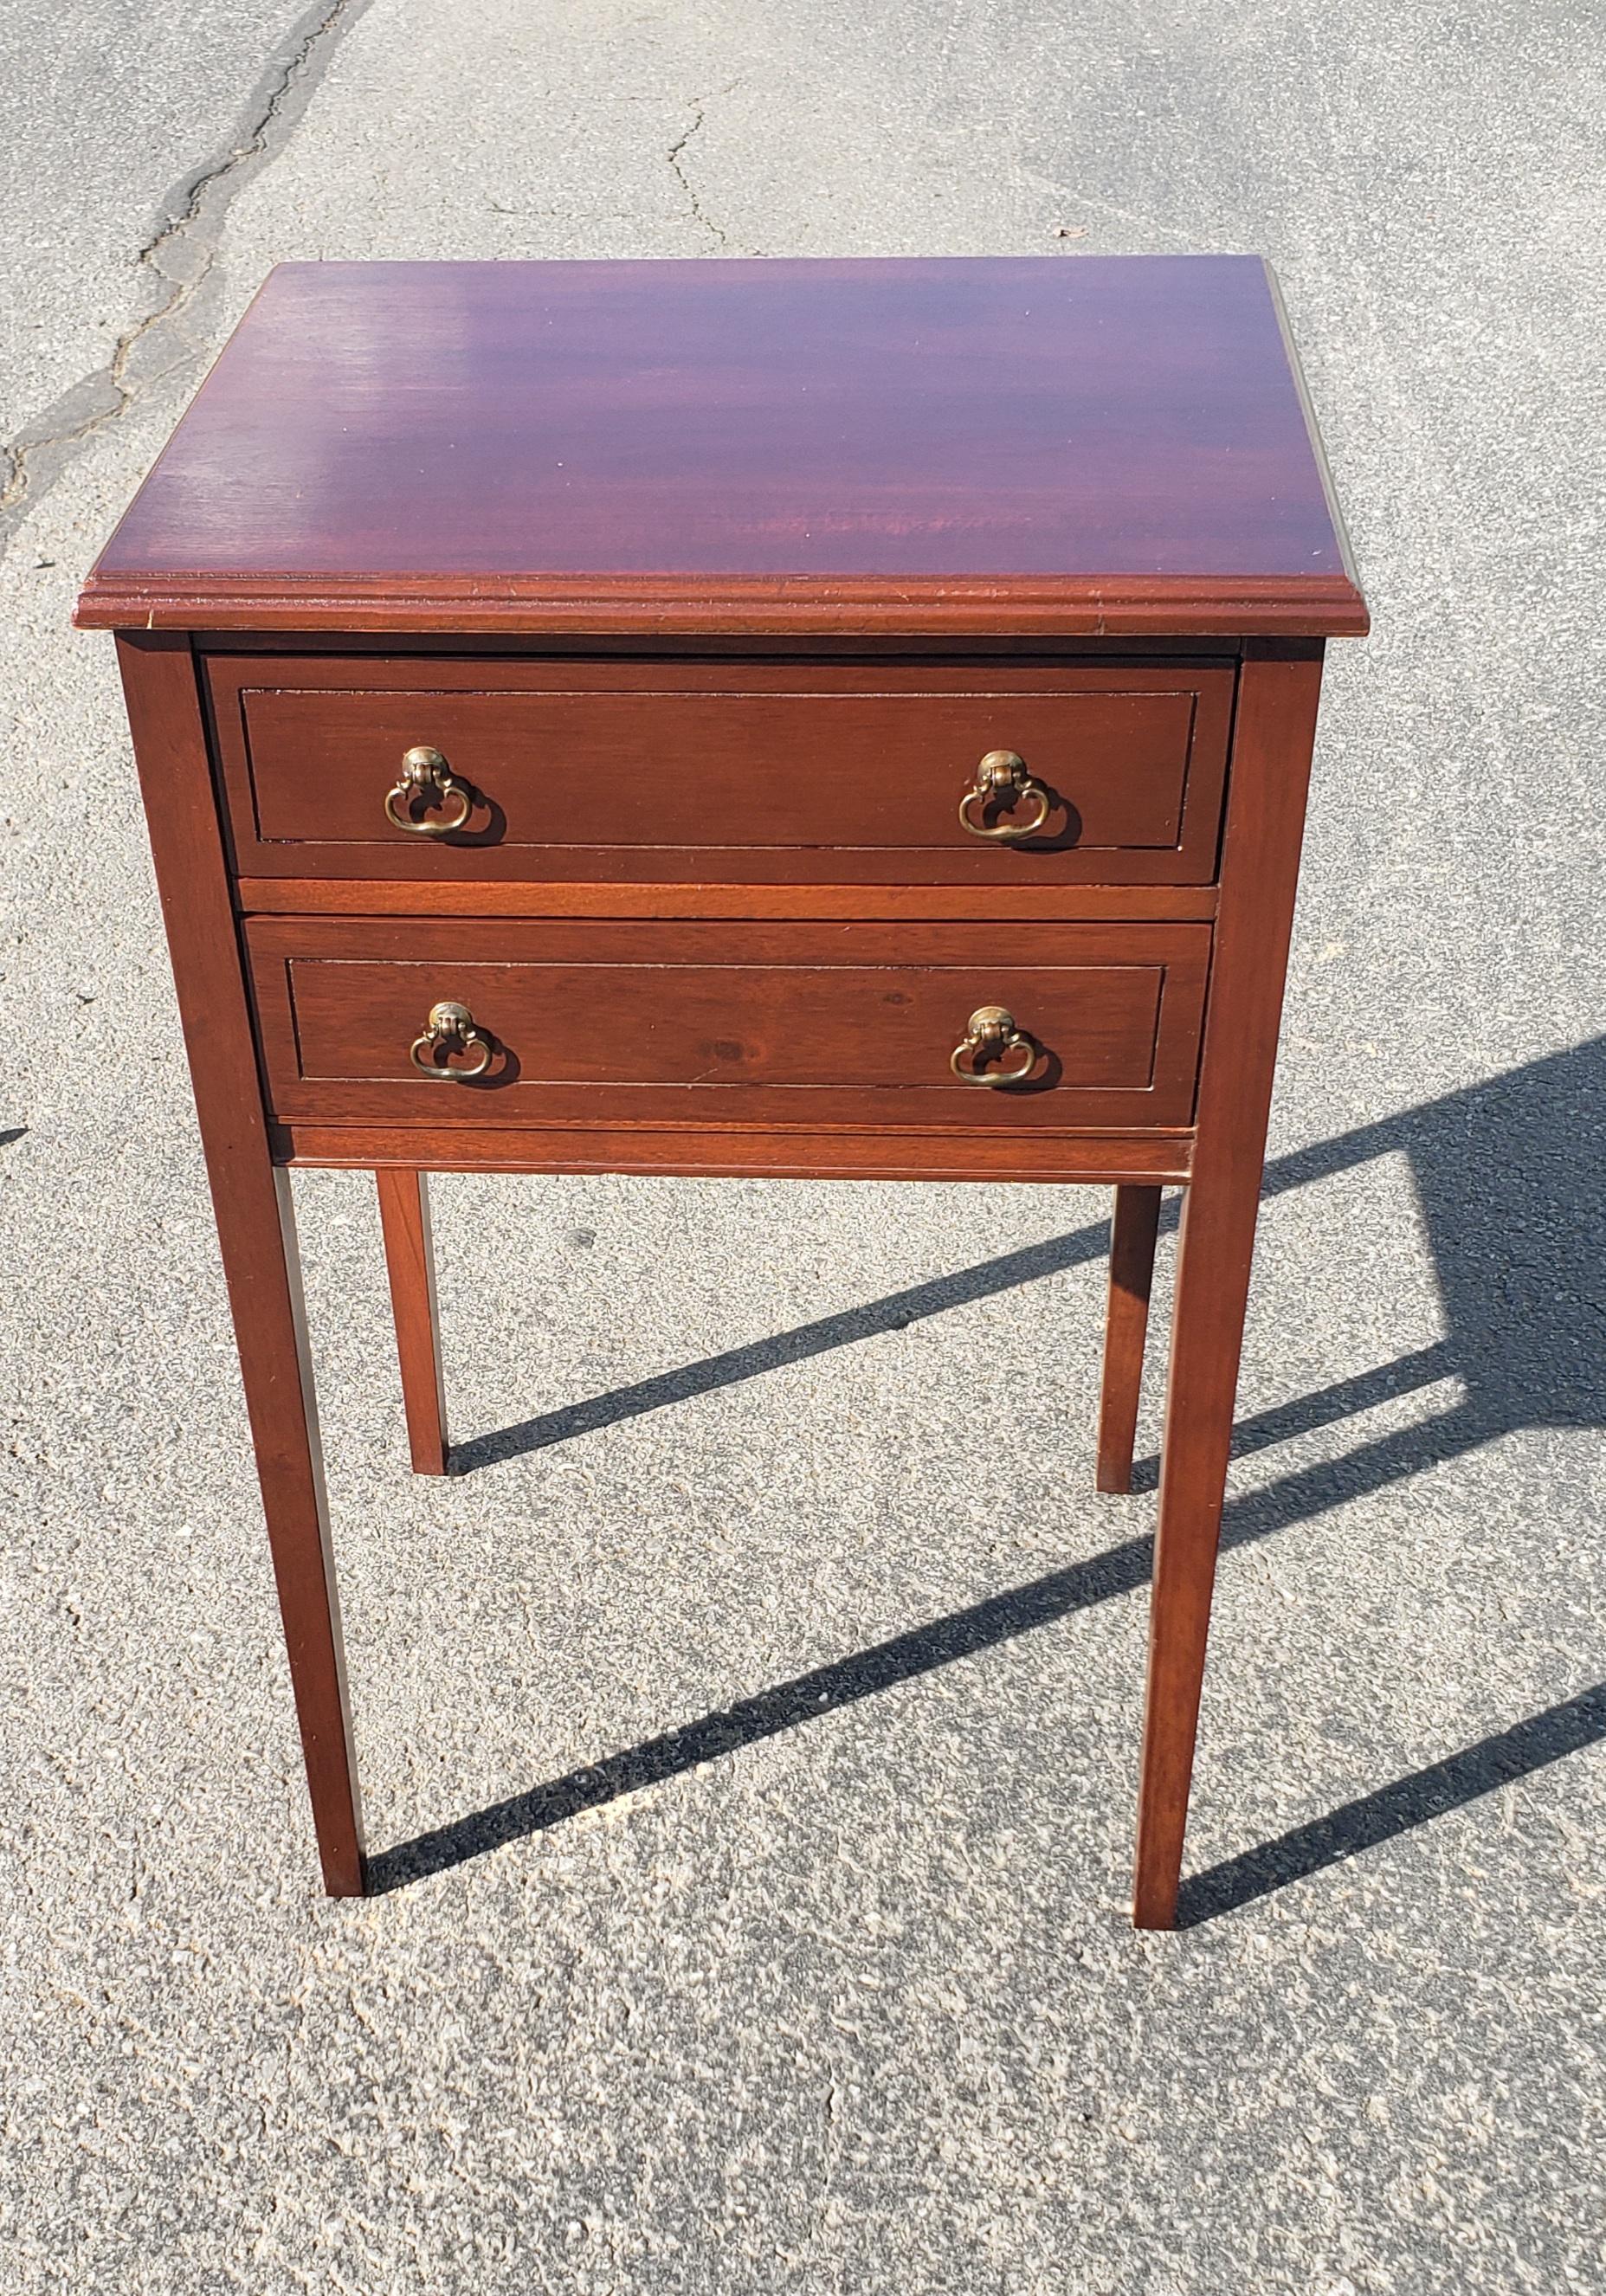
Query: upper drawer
[{"x": 741, "y": 773}]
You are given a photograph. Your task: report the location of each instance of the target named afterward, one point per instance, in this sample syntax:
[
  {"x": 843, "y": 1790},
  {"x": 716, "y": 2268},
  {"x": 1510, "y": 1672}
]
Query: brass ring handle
[
  {"x": 450, "y": 1028},
  {"x": 426, "y": 779},
  {"x": 1000, "y": 776},
  {"x": 990, "y": 1034}
]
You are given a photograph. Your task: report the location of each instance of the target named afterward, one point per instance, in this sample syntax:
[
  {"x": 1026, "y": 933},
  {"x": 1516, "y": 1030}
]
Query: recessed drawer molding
[
  {"x": 461, "y": 769},
  {"x": 744, "y": 1023}
]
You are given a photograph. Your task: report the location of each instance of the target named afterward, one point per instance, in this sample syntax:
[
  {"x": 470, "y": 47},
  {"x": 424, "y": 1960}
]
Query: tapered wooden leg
[
  {"x": 255, "y": 1221},
  {"x": 1206, "y": 1332},
  {"x": 257, "y": 1229},
  {"x": 1279, "y": 683},
  {"x": 1132, "y": 1239},
  {"x": 404, "y": 1210}
]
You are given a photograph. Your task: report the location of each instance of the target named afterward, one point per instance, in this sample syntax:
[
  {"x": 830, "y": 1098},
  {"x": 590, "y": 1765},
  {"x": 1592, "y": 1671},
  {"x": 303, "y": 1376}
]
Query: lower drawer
[{"x": 972, "y": 1027}]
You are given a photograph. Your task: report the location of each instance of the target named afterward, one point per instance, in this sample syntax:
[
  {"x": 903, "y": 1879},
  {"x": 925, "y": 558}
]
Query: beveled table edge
[{"x": 686, "y": 606}]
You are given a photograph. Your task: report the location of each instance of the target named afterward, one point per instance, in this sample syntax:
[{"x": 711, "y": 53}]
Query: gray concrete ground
[{"x": 762, "y": 1708}]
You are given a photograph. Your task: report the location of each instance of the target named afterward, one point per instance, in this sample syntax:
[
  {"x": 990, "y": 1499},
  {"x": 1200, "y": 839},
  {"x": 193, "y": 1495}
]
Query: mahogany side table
[{"x": 848, "y": 719}]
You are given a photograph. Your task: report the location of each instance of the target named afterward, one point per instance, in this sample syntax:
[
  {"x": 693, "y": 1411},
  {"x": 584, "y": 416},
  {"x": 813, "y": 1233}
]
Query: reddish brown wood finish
[
  {"x": 1125, "y": 1328},
  {"x": 724, "y": 571},
  {"x": 682, "y": 772},
  {"x": 600, "y": 608},
  {"x": 857, "y": 904},
  {"x": 718, "y": 1024},
  {"x": 256, "y": 1226},
  {"x": 1260, "y": 866},
  {"x": 404, "y": 1208},
  {"x": 722, "y": 448},
  {"x": 772, "y": 1153},
  {"x": 996, "y": 649}
]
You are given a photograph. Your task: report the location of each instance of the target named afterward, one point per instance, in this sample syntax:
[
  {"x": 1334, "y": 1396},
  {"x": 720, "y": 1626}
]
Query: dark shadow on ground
[
  {"x": 1394, "y": 1809},
  {"x": 894, "y": 1313},
  {"x": 1507, "y": 1178}
]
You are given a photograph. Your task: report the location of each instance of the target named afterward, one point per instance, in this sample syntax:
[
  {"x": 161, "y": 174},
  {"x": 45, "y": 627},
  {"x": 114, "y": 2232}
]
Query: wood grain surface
[
  {"x": 747, "y": 1152},
  {"x": 403, "y": 1206},
  {"x": 839, "y": 773},
  {"x": 474, "y": 897},
  {"x": 713, "y": 582},
  {"x": 1261, "y": 869},
  {"x": 690, "y": 1023},
  {"x": 1041, "y": 443},
  {"x": 256, "y": 1228}
]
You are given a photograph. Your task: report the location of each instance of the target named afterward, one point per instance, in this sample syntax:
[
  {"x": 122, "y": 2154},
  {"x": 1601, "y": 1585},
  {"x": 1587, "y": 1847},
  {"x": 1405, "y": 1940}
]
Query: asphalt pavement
[{"x": 750, "y": 1734}]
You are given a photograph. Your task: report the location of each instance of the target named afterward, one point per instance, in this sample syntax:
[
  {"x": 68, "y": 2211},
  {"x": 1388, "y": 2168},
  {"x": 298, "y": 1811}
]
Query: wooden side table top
[
  {"x": 1111, "y": 445},
  {"x": 848, "y": 719}
]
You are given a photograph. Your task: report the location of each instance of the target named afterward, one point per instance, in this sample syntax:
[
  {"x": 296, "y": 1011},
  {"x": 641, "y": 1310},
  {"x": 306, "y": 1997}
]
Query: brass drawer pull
[
  {"x": 1001, "y": 778},
  {"x": 426, "y": 780},
  {"x": 991, "y": 1035},
  {"x": 450, "y": 1028}
]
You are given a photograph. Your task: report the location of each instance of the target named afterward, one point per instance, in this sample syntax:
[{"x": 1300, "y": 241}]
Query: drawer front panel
[
  {"x": 853, "y": 1025},
  {"x": 662, "y": 774}
]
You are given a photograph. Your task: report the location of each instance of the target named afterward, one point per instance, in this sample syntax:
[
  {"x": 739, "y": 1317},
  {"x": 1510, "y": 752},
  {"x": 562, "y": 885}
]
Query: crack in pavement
[
  {"x": 715, "y": 231},
  {"x": 178, "y": 254}
]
